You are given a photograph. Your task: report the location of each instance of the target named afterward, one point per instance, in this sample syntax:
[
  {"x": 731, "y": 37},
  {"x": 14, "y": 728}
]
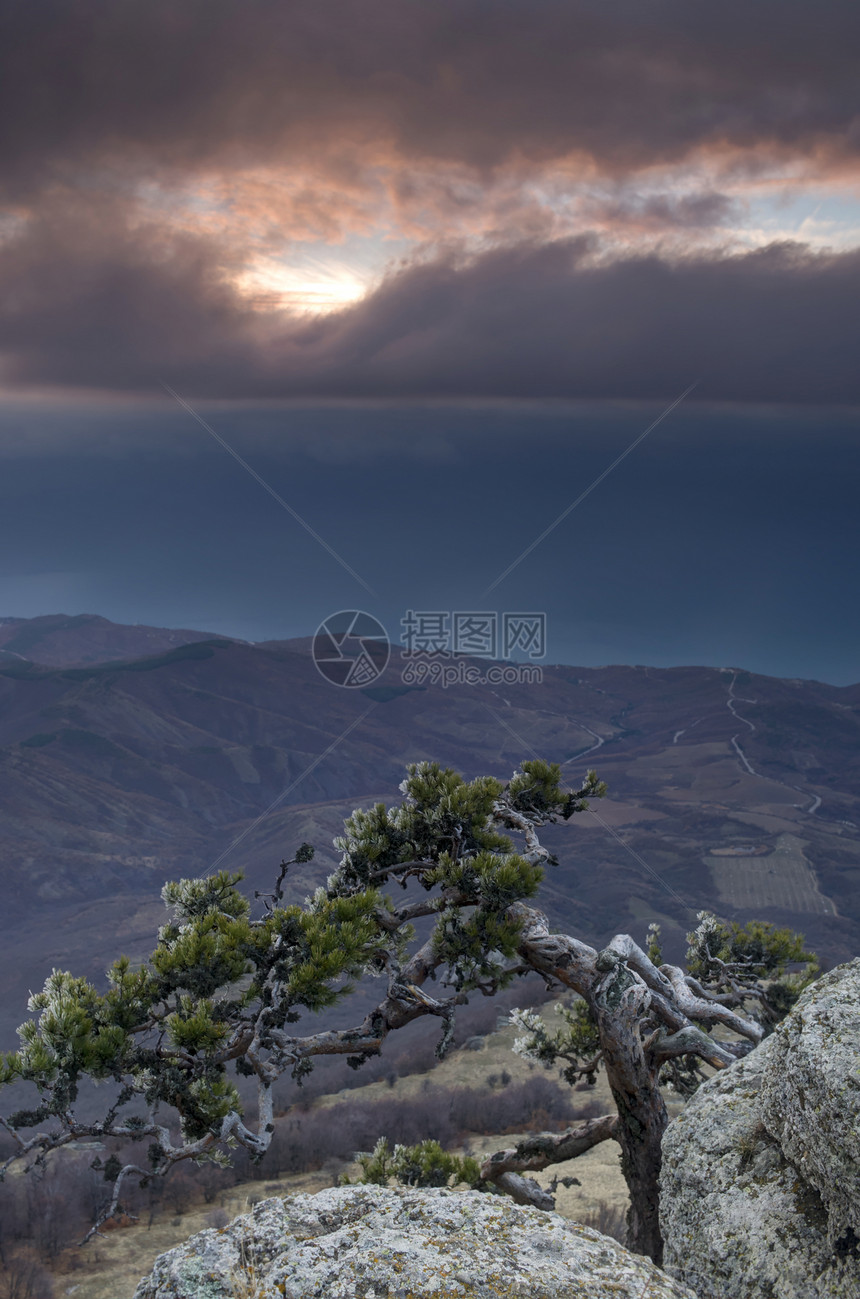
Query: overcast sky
[{"x": 429, "y": 267}]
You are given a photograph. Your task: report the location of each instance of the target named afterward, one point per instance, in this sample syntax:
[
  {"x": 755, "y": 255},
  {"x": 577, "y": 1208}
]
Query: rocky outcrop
[
  {"x": 760, "y": 1188},
  {"x": 811, "y": 1095},
  {"x": 366, "y": 1242}
]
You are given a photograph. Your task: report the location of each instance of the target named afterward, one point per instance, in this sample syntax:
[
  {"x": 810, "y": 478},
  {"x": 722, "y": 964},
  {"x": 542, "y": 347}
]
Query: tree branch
[
  {"x": 110, "y": 1210},
  {"x": 698, "y": 1008},
  {"x": 538, "y": 1152},
  {"x": 525, "y": 1190},
  {"x": 535, "y": 852},
  {"x": 556, "y": 956},
  {"x": 689, "y": 1041}
]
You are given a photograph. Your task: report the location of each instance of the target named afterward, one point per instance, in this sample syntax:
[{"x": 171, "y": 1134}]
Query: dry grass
[{"x": 111, "y": 1268}]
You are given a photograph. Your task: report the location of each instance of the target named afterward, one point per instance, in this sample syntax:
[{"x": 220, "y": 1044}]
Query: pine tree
[{"x": 224, "y": 992}]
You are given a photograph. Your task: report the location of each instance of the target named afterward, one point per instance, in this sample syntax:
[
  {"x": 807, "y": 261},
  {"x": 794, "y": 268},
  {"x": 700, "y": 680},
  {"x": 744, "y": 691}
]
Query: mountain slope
[
  {"x": 62, "y": 641},
  {"x": 727, "y": 791}
]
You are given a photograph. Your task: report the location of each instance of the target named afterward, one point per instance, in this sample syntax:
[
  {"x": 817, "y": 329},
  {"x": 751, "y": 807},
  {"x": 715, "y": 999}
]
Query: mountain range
[{"x": 134, "y": 755}]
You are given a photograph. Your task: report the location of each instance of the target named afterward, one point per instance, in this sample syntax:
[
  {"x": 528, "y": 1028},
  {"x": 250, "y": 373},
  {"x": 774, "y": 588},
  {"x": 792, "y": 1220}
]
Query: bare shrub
[
  {"x": 14, "y": 1222},
  {"x": 529, "y": 1106},
  {"x": 58, "y": 1199},
  {"x": 212, "y": 1180},
  {"x": 609, "y": 1219},
  {"x": 24, "y": 1276},
  {"x": 306, "y": 1141},
  {"x": 181, "y": 1189}
]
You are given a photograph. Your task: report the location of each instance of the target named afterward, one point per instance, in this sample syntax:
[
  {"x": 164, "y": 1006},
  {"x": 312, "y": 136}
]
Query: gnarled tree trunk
[{"x": 618, "y": 1001}]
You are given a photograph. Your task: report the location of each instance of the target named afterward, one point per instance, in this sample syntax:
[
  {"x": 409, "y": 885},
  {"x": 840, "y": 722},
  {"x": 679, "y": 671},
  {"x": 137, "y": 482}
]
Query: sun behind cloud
[{"x": 307, "y": 285}]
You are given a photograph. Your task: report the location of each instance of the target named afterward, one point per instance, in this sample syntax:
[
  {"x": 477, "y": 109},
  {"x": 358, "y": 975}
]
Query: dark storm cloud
[
  {"x": 89, "y": 300},
  {"x": 771, "y": 325},
  {"x": 119, "y": 309},
  {"x": 152, "y": 85},
  {"x": 119, "y": 268},
  {"x": 778, "y": 324}
]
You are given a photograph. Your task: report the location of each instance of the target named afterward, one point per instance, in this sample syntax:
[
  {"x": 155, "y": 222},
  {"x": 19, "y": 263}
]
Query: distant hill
[
  {"x": 62, "y": 641},
  {"x": 121, "y": 774}
]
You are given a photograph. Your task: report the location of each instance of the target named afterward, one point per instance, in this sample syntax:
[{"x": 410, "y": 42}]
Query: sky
[{"x": 428, "y": 268}]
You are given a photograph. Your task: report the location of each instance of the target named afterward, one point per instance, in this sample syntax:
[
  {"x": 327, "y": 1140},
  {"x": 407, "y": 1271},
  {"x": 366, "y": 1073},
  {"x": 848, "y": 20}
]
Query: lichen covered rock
[
  {"x": 811, "y": 1094},
  {"x": 757, "y": 1192},
  {"x": 366, "y": 1242}
]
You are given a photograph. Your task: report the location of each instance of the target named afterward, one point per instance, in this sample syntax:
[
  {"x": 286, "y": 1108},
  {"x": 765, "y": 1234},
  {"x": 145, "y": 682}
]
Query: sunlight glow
[{"x": 310, "y": 286}]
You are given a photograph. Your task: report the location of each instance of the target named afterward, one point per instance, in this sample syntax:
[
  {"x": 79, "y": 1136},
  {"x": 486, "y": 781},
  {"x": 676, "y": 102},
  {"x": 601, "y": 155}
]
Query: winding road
[
  {"x": 738, "y": 699},
  {"x": 598, "y": 738}
]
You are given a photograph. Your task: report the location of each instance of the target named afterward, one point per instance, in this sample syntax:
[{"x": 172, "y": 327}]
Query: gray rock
[
  {"x": 811, "y": 1093},
  {"x": 750, "y": 1207},
  {"x": 366, "y": 1242}
]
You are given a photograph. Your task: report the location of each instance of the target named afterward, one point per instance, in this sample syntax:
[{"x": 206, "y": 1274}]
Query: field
[{"x": 783, "y": 878}]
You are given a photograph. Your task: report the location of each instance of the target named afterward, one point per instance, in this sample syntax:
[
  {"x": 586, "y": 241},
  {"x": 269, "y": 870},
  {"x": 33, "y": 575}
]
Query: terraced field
[{"x": 783, "y": 878}]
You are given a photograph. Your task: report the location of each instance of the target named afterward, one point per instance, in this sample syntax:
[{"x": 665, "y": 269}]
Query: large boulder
[
  {"x": 811, "y": 1095},
  {"x": 366, "y": 1242},
  {"x": 760, "y": 1188}
]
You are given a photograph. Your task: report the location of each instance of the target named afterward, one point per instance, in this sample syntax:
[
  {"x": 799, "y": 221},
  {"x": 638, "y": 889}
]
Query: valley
[{"x": 118, "y": 775}]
